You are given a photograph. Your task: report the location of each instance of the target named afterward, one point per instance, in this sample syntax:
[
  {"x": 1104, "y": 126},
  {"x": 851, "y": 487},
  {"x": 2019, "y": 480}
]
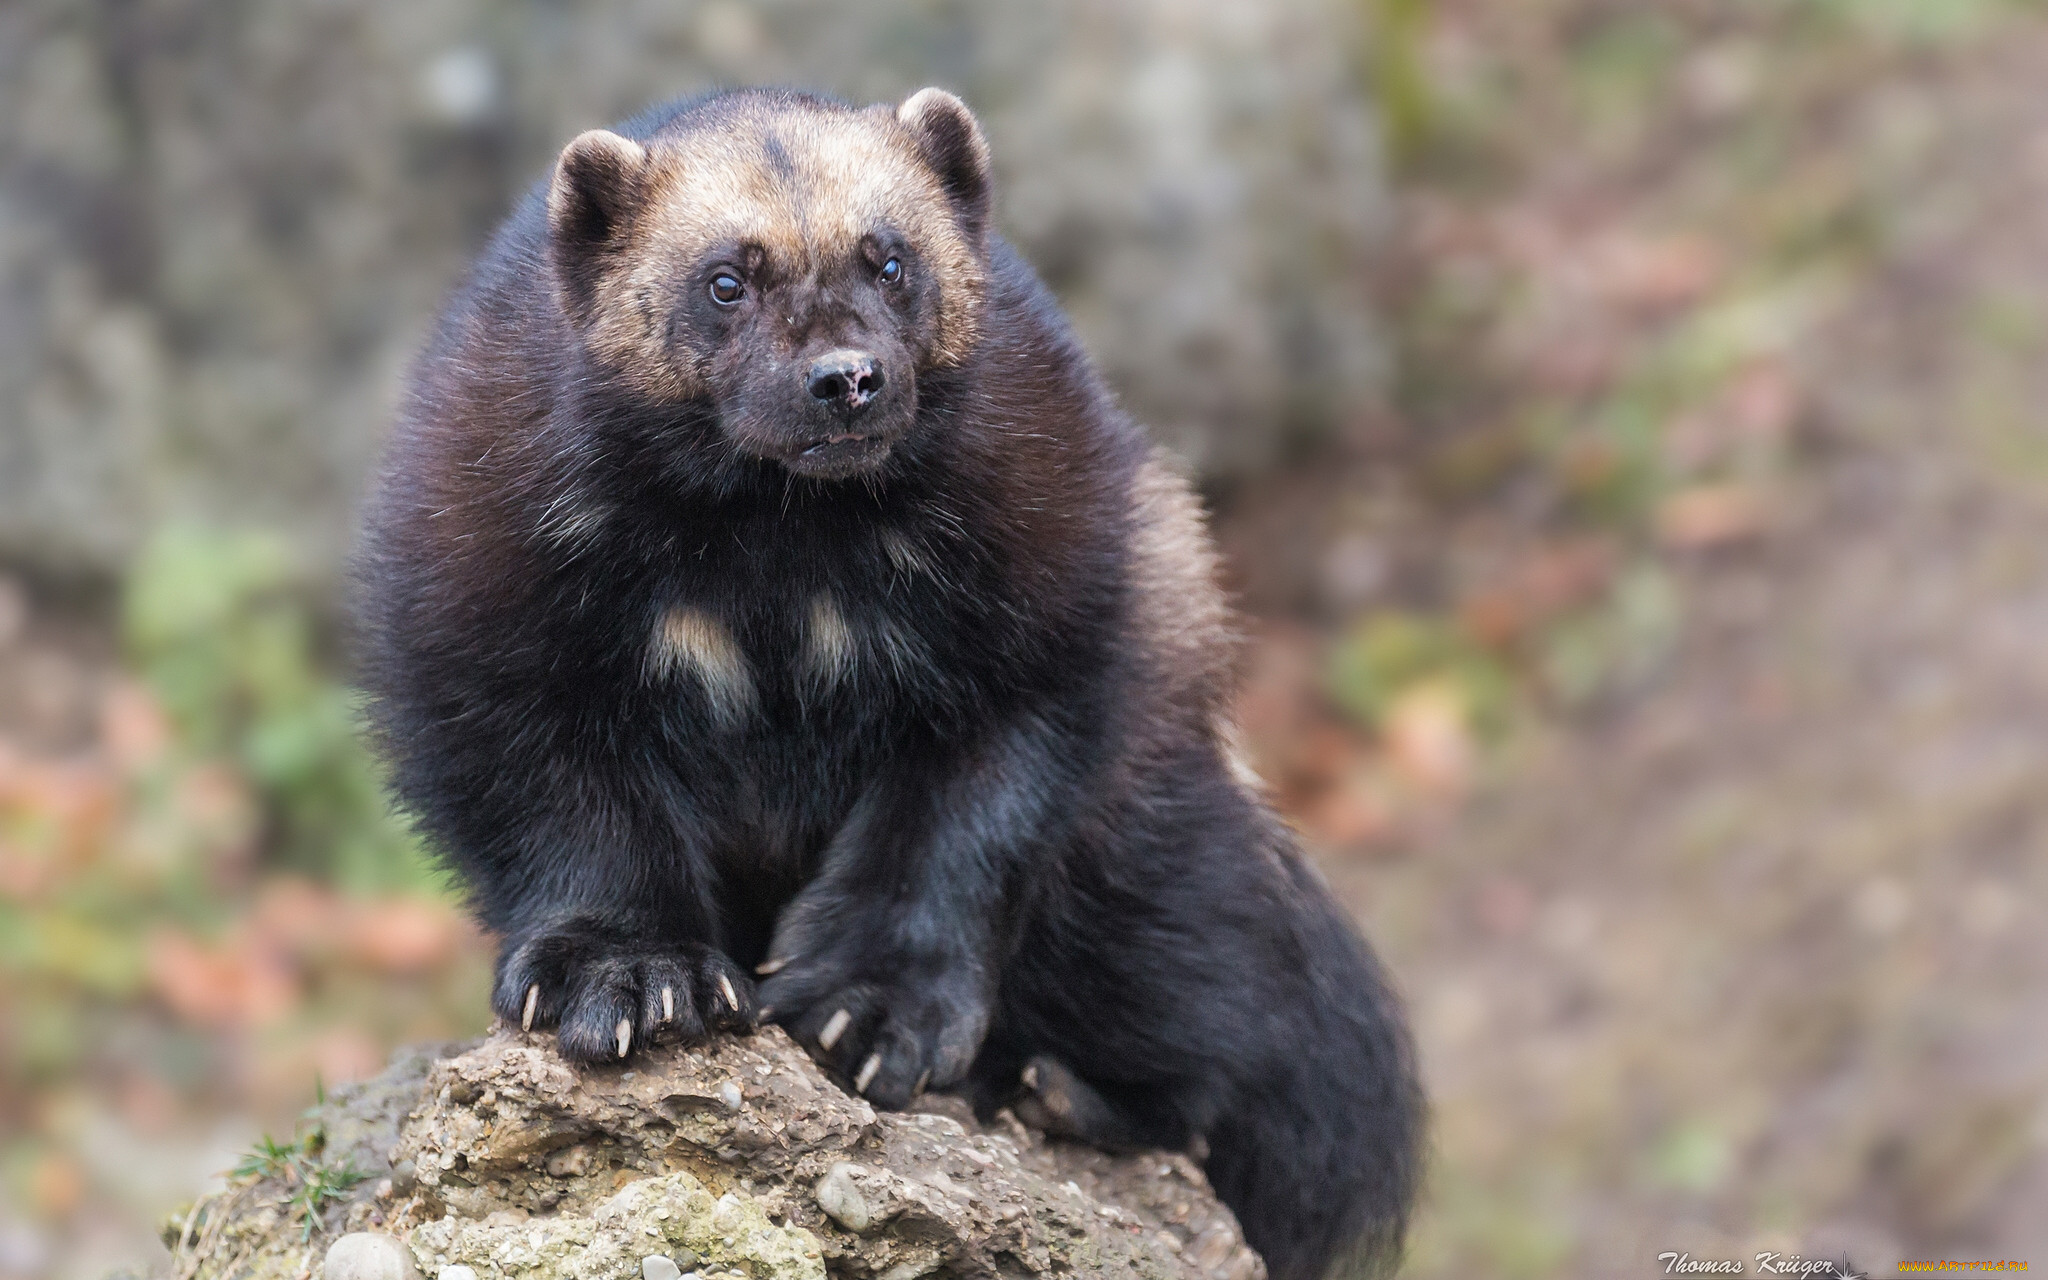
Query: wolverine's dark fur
[{"x": 922, "y": 715}]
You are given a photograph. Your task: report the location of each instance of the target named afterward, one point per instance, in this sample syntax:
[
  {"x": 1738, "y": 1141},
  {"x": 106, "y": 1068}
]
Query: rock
[
  {"x": 658, "y": 1266},
  {"x": 841, "y": 1199},
  {"x": 215, "y": 262},
  {"x": 524, "y": 1164},
  {"x": 570, "y": 1162},
  {"x": 369, "y": 1255}
]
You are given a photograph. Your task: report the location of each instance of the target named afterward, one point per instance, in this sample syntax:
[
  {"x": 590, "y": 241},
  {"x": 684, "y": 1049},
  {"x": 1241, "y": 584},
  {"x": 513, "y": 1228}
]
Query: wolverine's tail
[{"x": 1322, "y": 1160}]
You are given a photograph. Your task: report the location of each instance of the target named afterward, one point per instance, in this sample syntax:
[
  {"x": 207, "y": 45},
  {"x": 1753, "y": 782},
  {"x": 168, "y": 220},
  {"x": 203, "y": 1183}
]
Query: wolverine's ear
[
  {"x": 950, "y": 138},
  {"x": 596, "y": 188}
]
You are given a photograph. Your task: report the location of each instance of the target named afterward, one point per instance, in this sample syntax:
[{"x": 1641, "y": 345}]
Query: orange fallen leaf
[
  {"x": 134, "y": 731},
  {"x": 221, "y": 813},
  {"x": 1657, "y": 274},
  {"x": 1708, "y": 516},
  {"x": 299, "y": 916},
  {"x": 147, "y": 1103},
  {"x": 198, "y": 985},
  {"x": 240, "y": 983},
  {"x": 403, "y": 935},
  {"x": 1496, "y": 616},
  {"x": 1359, "y": 808},
  {"x": 1506, "y": 906},
  {"x": 1549, "y": 581},
  {"x": 1754, "y": 412},
  {"x": 1764, "y": 402},
  {"x": 56, "y": 1185},
  {"x": 59, "y": 815},
  {"x": 343, "y": 1055},
  {"x": 1429, "y": 738}
]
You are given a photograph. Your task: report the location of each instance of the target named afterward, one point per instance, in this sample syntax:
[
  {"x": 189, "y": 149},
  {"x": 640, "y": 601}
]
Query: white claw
[
  {"x": 835, "y": 1027},
  {"x": 1031, "y": 1076},
  {"x": 532, "y": 1003},
  {"x": 767, "y": 967},
  {"x": 668, "y": 1004},
  {"x": 732, "y": 998},
  {"x": 867, "y": 1073},
  {"x": 924, "y": 1078},
  {"x": 625, "y": 1036}
]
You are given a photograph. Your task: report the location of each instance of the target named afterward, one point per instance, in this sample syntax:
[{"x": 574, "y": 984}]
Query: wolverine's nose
[{"x": 847, "y": 381}]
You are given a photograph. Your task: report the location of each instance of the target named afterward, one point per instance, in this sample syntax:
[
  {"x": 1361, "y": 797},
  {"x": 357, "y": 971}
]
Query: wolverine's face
[{"x": 794, "y": 263}]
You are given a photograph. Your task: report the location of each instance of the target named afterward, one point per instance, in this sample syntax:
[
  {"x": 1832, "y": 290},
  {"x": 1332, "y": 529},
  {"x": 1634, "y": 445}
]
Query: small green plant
[
  {"x": 315, "y": 1182},
  {"x": 318, "y": 1185},
  {"x": 267, "y": 1159}
]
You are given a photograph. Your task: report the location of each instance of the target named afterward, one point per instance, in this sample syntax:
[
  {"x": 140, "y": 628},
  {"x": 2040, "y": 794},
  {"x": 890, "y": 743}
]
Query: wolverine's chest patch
[
  {"x": 691, "y": 643},
  {"x": 829, "y": 648},
  {"x": 838, "y": 647},
  {"x": 828, "y": 643}
]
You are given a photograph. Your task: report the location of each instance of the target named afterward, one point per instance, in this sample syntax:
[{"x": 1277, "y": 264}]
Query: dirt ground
[{"x": 1751, "y": 958}]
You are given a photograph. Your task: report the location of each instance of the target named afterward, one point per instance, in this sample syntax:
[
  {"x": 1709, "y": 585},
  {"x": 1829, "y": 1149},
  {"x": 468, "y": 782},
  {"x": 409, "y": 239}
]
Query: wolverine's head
[{"x": 792, "y": 262}]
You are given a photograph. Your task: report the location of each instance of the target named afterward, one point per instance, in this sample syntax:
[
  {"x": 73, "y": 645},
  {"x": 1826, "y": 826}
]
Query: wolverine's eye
[
  {"x": 726, "y": 289},
  {"x": 892, "y": 271}
]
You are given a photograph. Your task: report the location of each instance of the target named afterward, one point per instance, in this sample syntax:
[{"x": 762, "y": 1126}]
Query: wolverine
[{"x": 762, "y": 587}]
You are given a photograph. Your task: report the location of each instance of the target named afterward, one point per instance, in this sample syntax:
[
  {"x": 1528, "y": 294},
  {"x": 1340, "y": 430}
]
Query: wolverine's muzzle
[
  {"x": 846, "y": 382},
  {"x": 851, "y": 414}
]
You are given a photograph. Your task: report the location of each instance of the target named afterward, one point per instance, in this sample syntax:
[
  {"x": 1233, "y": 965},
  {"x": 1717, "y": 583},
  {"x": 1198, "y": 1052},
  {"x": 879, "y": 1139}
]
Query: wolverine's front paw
[
  {"x": 610, "y": 992},
  {"x": 892, "y": 1036}
]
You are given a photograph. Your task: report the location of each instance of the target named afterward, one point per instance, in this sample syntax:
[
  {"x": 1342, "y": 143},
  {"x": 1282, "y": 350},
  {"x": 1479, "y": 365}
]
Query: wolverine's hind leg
[
  {"x": 1047, "y": 1094},
  {"x": 1064, "y": 1105}
]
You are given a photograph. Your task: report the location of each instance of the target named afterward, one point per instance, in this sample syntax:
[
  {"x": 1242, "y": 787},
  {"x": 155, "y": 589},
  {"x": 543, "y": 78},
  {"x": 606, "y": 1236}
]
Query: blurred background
[{"x": 1623, "y": 419}]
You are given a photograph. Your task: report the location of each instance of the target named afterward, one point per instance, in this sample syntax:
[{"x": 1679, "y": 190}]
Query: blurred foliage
[
  {"x": 1911, "y": 20},
  {"x": 1389, "y": 656},
  {"x": 1400, "y": 79},
  {"x": 235, "y": 755},
  {"x": 1578, "y": 401},
  {"x": 209, "y": 905},
  {"x": 1617, "y": 646},
  {"x": 217, "y": 629}
]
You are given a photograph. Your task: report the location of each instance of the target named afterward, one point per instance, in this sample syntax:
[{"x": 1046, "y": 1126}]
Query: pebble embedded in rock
[
  {"x": 1213, "y": 1248},
  {"x": 841, "y": 1199},
  {"x": 729, "y": 1094},
  {"x": 369, "y": 1255},
  {"x": 1243, "y": 1266},
  {"x": 657, "y": 1266}
]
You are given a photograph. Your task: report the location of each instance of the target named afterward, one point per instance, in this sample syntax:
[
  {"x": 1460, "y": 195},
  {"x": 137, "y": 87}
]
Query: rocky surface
[
  {"x": 737, "y": 1158},
  {"x": 223, "y": 228}
]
